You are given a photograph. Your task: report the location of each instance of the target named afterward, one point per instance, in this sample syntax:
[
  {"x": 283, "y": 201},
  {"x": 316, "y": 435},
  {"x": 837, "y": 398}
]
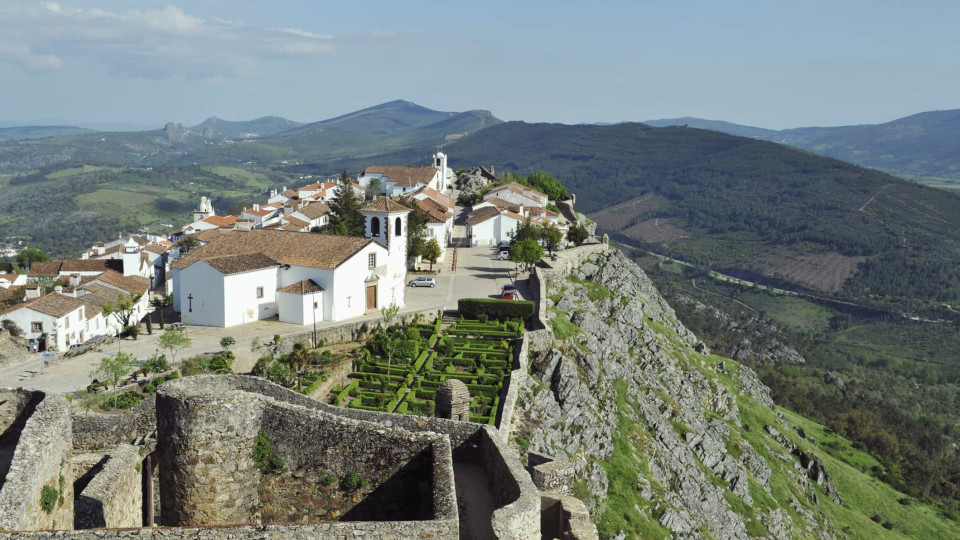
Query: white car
[
  {"x": 423, "y": 281},
  {"x": 503, "y": 255}
]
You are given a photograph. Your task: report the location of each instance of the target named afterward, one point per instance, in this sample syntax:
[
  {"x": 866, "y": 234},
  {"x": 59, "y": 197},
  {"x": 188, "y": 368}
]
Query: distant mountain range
[
  {"x": 921, "y": 145},
  {"x": 264, "y": 141},
  {"x": 37, "y": 132}
]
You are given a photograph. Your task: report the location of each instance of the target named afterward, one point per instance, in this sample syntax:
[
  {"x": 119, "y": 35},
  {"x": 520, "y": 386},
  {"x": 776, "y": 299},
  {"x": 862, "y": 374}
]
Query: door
[{"x": 371, "y": 297}]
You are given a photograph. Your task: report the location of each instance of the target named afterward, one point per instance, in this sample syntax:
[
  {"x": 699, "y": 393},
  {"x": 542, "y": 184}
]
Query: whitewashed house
[
  {"x": 253, "y": 275},
  {"x": 55, "y": 320},
  {"x": 490, "y": 225},
  {"x": 519, "y": 194},
  {"x": 441, "y": 210},
  {"x": 396, "y": 181}
]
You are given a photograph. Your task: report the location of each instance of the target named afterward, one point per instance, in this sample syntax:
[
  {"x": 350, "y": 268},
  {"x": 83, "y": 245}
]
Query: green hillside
[
  {"x": 216, "y": 128},
  {"x": 37, "y": 132},
  {"x": 748, "y": 207}
]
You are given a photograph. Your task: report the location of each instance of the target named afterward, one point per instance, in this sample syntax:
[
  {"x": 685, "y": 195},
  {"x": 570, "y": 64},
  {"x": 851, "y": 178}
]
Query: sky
[{"x": 773, "y": 63}]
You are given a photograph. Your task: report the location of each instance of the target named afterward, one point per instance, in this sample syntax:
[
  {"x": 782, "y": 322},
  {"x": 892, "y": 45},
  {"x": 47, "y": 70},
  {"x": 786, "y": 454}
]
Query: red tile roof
[
  {"x": 131, "y": 284},
  {"x": 220, "y": 221},
  {"x": 310, "y": 250},
  {"x": 480, "y": 215},
  {"x": 403, "y": 176},
  {"x": 385, "y": 204},
  {"x": 53, "y": 304},
  {"x": 307, "y": 286}
]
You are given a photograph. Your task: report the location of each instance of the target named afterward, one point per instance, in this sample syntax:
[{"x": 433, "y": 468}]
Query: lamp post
[{"x": 314, "y": 320}]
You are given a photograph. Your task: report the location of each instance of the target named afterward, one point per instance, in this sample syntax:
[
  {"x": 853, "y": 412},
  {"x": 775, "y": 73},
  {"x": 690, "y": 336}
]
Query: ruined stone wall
[
  {"x": 517, "y": 499},
  {"x": 549, "y": 474},
  {"x": 114, "y": 498},
  {"x": 206, "y": 438},
  {"x": 92, "y": 432},
  {"x": 42, "y": 458},
  {"x": 518, "y": 378}
]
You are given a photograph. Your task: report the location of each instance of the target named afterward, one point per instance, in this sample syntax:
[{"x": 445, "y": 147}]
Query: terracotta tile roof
[
  {"x": 385, "y": 204},
  {"x": 307, "y": 286},
  {"x": 433, "y": 209},
  {"x": 49, "y": 268},
  {"x": 94, "y": 265},
  {"x": 310, "y": 250},
  {"x": 211, "y": 234},
  {"x": 288, "y": 227},
  {"x": 520, "y": 190},
  {"x": 220, "y": 221},
  {"x": 482, "y": 214},
  {"x": 315, "y": 210},
  {"x": 299, "y": 223},
  {"x": 290, "y": 193},
  {"x": 235, "y": 264},
  {"x": 157, "y": 248},
  {"x": 53, "y": 304},
  {"x": 513, "y": 215},
  {"x": 12, "y": 293},
  {"x": 259, "y": 213},
  {"x": 445, "y": 200},
  {"x": 506, "y": 205},
  {"x": 131, "y": 284},
  {"x": 403, "y": 176}
]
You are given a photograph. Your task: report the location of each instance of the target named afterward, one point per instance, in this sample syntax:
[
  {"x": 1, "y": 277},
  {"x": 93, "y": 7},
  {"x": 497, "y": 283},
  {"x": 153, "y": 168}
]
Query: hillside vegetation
[
  {"x": 669, "y": 440},
  {"x": 922, "y": 147},
  {"x": 746, "y": 206}
]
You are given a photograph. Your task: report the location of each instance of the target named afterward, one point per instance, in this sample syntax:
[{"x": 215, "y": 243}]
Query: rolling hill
[
  {"x": 216, "y": 128},
  {"x": 37, "y": 132},
  {"x": 924, "y": 146},
  {"x": 393, "y": 125}
]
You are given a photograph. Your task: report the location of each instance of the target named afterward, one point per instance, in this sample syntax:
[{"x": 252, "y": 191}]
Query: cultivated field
[
  {"x": 656, "y": 230},
  {"x": 819, "y": 271},
  {"x": 618, "y": 217}
]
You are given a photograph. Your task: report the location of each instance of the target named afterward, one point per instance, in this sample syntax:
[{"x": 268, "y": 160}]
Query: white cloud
[{"x": 155, "y": 44}]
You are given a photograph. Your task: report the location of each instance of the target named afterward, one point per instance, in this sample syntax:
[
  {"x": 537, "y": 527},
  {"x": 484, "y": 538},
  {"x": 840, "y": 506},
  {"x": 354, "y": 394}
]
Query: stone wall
[
  {"x": 41, "y": 458},
  {"x": 563, "y": 516},
  {"x": 114, "y": 497},
  {"x": 434, "y": 530},
  {"x": 352, "y": 331},
  {"x": 550, "y": 474},
  {"x": 517, "y": 380},
  {"x": 517, "y": 499},
  {"x": 206, "y": 438},
  {"x": 92, "y": 432}
]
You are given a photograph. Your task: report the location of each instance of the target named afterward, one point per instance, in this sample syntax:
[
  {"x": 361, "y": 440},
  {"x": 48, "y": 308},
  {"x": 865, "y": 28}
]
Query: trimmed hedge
[{"x": 495, "y": 308}]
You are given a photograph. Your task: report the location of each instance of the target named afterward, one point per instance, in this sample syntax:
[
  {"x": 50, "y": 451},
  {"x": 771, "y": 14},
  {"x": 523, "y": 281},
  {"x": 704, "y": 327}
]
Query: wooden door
[{"x": 371, "y": 297}]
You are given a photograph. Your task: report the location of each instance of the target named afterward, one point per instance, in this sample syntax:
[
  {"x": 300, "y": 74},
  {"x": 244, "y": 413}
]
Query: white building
[
  {"x": 490, "y": 225},
  {"x": 253, "y": 275},
  {"x": 204, "y": 210},
  {"x": 396, "y": 181},
  {"x": 441, "y": 210},
  {"x": 515, "y": 193}
]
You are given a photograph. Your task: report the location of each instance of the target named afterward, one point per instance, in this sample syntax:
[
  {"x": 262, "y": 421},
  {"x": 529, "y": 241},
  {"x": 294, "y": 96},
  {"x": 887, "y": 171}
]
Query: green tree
[
  {"x": 226, "y": 342},
  {"x": 113, "y": 369},
  {"x": 157, "y": 303},
  {"x": 44, "y": 283},
  {"x": 174, "y": 340},
  {"x": 552, "y": 236},
  {"x": 124, "y": 310},
  {"x": 417, "y": 221},
  {"x": 527, "y": 252},
  {"x": 431, "y": 252},
  {"x": 11, "y": 327},
  {"x": 550, "y": 186},
  {"x": 89, "y": 400},
  {"x": 578, "y": 234},
  {"x": 188, "y": 243},
  {"x": 346, "y": 218},
  {"x": 527, "y": 230},
  {"x": 373, "y": 189},
  {"x": 390, "y": 339},
  {"x": 28, "y": 256}
]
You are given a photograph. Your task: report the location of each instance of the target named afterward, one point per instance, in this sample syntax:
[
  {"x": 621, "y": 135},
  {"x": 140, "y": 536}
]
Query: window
[
  {"x": 259, "y": 292},
  {"x": 397, "y": 227},
  {"x": 374, "y": 227},
  {"x": 36, "y": 327},
  {"x": 372, "y": 260},
  {"x": 66, "y": 321}
]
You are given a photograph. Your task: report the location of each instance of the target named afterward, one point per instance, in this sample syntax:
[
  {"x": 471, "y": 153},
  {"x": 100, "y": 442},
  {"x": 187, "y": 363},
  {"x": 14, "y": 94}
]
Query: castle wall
[
  {"x": 114, "y": 497},
  {"x": 93, "y": 432},
  {"x": 41, "y": 458}
]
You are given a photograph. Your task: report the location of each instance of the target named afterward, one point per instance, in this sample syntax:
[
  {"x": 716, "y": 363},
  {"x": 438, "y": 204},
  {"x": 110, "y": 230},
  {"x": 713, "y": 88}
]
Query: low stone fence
[
  {"x": 517, "y": 499},
  {"x": 550, "y": 474},
  {"x": 354, "y": 330},
  {"x": 518, "y": 378},
  {"x": 93, "y": 432},
  {"x": 41, "y": 459},
  {"x": 114, "y": 497}
]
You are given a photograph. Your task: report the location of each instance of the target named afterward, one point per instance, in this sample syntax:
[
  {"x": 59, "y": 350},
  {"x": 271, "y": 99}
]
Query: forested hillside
[{"x": 749, "y": 207}]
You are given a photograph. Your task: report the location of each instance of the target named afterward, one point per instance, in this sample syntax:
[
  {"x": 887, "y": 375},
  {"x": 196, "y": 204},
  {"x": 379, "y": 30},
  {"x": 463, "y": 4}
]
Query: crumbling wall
[
  {"x": 517, "y": 499},
  {"x": 92, "y": 432},
  {"x": 114, "y": 497},
  {"x": 41, "y": 459},
  {"x": 206, "y": 436}
]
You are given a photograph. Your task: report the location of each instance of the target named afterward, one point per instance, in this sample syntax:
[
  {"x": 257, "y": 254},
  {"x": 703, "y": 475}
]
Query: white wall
[
  {"x": 298, "y": 308},
  {"x": 207, "y": 287},
  {"x": 241, "y": 304},
  {"x": 321, "y": 276}
]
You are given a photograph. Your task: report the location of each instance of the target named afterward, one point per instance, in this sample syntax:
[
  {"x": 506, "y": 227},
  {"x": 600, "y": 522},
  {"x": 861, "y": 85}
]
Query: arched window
[
  {"x": 398, "y": 227},
  {"x": 374, "y": 227},
  {"x": 386, "y": 227}
]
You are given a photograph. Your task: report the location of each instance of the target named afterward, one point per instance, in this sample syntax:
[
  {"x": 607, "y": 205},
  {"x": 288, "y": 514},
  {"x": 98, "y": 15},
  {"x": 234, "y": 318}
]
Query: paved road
[{"x": 478, "y": 274}]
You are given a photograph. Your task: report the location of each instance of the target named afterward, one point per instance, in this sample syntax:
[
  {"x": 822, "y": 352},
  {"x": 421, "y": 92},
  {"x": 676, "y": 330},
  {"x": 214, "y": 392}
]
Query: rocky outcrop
[{"x": 632, "y": 384}]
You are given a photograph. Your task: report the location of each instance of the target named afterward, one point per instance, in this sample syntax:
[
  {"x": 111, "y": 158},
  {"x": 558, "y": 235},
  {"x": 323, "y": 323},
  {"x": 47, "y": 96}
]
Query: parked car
[
  {"x": 510, "y": 295},
  {"x": 509, "y": 287},
  {"x": 504, "y": 245},
  {"x": 503, "y": 255},
  {"x": 423, "y": 281}
]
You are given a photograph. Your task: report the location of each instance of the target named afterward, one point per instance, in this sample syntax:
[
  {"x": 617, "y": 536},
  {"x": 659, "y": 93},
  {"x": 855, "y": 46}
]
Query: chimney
[
  {"x": 33, "y": 291},
  {"x": 256, "y": 206},
  {"x": 74, "y": 280},
  {"x": 284, "y": 188},
  {"x": 273, "y": 193},
  {"x": 58, "y": 289},
  {"x": 491, "y": 171}
]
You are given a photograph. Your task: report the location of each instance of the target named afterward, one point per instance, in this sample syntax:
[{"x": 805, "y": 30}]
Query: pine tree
[{"x": 347, "y": 219}]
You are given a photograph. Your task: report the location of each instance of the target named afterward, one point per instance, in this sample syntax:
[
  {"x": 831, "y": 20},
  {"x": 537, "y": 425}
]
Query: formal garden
[{"x": 400, "y": 369}]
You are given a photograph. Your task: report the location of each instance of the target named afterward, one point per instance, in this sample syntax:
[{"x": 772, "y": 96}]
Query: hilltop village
[{"x": 257, "y": 369}]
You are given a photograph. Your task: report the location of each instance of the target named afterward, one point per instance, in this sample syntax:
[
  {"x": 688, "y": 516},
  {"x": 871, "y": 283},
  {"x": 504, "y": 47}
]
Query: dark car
[{"x": 510, "y": 295}]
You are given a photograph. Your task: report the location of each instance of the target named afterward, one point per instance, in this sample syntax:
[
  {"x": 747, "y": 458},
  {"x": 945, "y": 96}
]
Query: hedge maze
[{"x": 478, "y": 353}]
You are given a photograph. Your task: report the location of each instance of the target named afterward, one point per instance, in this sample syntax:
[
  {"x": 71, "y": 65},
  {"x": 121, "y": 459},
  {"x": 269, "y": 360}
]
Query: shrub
[
  {"x": 156, "y": 364},
  {"x": 125, "y": 400},
  {"x": 220, "y": 364},
  {"x": 263, "y": 454},
  {"x": 262, "y": 365},
  {"x": 328, "y": 480},
  {"x": 501, "y": 310},
  {"x": 11, "y": 327},
  {"x": 48, "y": 498},
  {"x": 353, "y": 481}
]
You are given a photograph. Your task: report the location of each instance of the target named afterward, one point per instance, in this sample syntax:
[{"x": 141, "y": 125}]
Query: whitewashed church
[{"x": 298, "y": 277}]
